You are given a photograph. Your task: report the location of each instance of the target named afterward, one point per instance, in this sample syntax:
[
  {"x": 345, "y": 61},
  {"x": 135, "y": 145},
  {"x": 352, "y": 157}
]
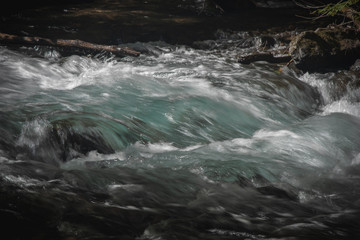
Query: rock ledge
[{"x": 325, "y": 49}]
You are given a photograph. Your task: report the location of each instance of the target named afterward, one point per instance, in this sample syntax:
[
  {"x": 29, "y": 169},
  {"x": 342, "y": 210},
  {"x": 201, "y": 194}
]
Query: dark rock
[
  {"x": 356, "y": 66},
  {"x": 55, "y": 213},
  {"x": 235, "y": 6},
  {"x": 128, "y": 21},
  {"x": 205, "y": 45},
  {"x": 268, "y": 57},
  {"x": 244, "y": 182},
  {"x": 278, "y": 193},
  {"x": 62, "y": 142},
  {"x": 274, "y": 3},
  {"x": 232, "y": 35},
  {"x": 34, "y": 215},
  {"x": 325, "y": 49},
  {"x": 76, "y": 135},
  {"x": 210, "y": 8},
  {"x": 265, "y": 42}
]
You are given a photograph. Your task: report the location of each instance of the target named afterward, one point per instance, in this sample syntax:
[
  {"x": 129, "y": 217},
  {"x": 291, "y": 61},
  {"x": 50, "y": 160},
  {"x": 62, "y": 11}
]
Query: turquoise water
[{"x": 180, "y": 144}]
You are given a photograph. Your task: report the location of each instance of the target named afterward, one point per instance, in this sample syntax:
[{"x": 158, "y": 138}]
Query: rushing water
[{"x": 176, "y": 144}]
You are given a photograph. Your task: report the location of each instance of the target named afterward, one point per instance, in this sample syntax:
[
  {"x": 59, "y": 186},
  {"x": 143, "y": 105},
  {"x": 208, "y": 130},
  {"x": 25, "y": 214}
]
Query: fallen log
[{"x": 77, "y": 44}]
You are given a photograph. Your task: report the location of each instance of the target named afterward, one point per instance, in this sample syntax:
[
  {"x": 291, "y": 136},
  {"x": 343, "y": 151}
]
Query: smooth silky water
[{"x": 177, "y": 144}]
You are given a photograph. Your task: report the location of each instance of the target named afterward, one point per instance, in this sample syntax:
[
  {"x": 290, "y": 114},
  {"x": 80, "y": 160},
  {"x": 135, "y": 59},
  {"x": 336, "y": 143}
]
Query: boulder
[{"x": 325, "y": 49}]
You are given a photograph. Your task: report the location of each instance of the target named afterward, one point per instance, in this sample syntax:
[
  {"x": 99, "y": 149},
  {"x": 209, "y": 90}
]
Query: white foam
[
  {"x": 262, "y": 133},
  {"x": 69, "y": 74},
  {"x": 321, "y": 84},
  {"x": 93, "y": 156},
  {"x": 126, "y": 187},
  {"x": 23, "y": 181},
  {"x": 191, "y": 148},
  {"x": 33, "y": 133},
  {"x": 148, "y": 150},
  {"x": 342, "y": 106},
  {"x": 169, "y": 117},
  {"x": 156, "y": 147}
]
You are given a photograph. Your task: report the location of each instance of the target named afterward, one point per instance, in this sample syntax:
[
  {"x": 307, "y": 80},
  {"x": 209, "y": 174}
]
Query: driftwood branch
[{"x": 78, "y": 44}]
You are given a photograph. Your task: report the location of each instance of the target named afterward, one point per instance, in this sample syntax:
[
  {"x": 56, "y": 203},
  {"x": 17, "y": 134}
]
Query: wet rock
[
  {"x": 34, "y": 215},
  {"x": 210, "y": 8},
  {"x": 75, "y": 136},
  {"x": 72, "y": 141},
  {"x": 265, "y": 42},
  {"x": 233, "y": 35},
  {"x": 205, "y": 45},
  {"x": 356, "y": 66},
  {"x": 268, "y": 57},
  {"x": 215, "y": 7},
  {"x": 278, "y": 193},
  {"x": 62, "y": 142},
  {"x": 244, "y": 182},
  {"x": 325, "y": 49},
  {"x": 54, "y": 213}
]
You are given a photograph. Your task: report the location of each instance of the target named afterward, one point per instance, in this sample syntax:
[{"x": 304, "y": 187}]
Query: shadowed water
[{"x": 176, "y": 144}]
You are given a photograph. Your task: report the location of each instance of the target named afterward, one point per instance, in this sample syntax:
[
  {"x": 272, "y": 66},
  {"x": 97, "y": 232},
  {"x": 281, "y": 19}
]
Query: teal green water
[{"x": 189, "y": 128}]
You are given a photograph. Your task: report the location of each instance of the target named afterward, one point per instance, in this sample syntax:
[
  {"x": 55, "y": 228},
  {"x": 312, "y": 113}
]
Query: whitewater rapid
[{"x": 178, "y": 134}]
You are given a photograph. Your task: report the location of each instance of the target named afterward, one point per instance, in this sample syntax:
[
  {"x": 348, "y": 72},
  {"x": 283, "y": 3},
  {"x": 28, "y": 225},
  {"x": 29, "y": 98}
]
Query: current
[{"x": 179, "y": 143}]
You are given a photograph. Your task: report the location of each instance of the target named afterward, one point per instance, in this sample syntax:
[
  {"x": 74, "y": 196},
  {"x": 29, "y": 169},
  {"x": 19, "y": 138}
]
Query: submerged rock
[
  {"x": 278, "y": 193},
  {"x": 75, "y": 136},
  {"x": 325, "y": 49}
]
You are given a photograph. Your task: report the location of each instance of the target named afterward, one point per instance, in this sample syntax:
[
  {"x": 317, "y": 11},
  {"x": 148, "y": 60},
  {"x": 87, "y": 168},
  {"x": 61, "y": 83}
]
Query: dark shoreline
[
  {"x": 120, "y": 22},
  {"x": 113, "y": 22}
]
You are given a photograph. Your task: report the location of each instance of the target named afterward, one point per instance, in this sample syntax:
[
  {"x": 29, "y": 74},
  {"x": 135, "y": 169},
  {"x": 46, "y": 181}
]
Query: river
[{"x": 179, "y": 143}]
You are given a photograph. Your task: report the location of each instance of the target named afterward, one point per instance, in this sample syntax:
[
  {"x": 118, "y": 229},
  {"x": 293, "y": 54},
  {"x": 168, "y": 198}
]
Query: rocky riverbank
[
  {"x": 200, "y": 24},
  {"x": 175, "y": 22},
  {"x": 321, "y": 50},
  {"x": 325, "y": 49}
]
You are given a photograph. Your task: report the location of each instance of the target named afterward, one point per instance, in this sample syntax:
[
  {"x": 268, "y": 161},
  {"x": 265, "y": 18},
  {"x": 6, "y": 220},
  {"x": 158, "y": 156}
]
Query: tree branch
[{"x": 353, "y": 15}]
